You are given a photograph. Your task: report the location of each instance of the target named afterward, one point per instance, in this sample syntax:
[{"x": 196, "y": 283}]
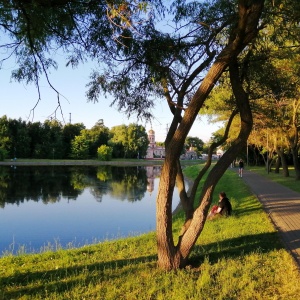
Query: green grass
[
  {"x": 289, "y": 182},
  {"x": 239, "y": 257}
]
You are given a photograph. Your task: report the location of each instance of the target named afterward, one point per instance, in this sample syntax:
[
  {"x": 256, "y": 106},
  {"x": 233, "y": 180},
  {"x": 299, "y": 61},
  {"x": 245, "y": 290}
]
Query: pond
[{"x": 47, "y": 208}]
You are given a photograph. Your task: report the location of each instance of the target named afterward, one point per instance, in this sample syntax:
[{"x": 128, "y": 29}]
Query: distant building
[
  {"x": 154, "y": 151},
  {"x": 190, "y": 153}
]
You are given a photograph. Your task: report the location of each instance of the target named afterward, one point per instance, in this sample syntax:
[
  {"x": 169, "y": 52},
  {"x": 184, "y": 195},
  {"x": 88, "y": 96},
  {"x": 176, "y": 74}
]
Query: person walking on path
[
  {"x": 241, "y": 168},
  {"x": 283, "y": 206}
]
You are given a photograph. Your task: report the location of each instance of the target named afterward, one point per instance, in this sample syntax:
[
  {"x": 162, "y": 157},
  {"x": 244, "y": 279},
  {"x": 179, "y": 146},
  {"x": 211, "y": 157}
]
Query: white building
[
  {"x": 154, "y": 151},
  {"x": 190, "y": 154}
]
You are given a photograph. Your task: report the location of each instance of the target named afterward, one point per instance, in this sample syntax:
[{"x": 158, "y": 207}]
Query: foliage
[
  {"x": 271, "y": 78},
  {"x": 80, "y": 147},
  {"x": 98, "y": 135},
  {"x": 52, "y": 140},
  {"x": 81, "y": 29},
  {"x": 3, "y": 154},
  {"x": 194, "y": 142},
  {"x": 68, "y": 134},
  {"x": 129, "y": 141},
  {"x": 4, "y": 133},
  {"x": 105, "y": 153}
]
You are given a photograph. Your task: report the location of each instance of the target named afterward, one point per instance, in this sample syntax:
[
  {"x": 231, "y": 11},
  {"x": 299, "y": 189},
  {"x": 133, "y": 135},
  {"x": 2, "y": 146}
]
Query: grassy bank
[{"x": 235, "y": 258}]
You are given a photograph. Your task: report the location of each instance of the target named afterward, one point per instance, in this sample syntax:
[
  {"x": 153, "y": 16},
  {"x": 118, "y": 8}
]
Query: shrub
[
  {"x": 3, "y": 154},
  {"x": 104, "y": 153}
]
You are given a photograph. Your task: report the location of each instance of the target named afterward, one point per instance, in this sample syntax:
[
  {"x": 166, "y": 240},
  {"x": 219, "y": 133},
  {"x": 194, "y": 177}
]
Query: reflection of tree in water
[
  {"x": 4, "y": 179},
  {"x": 123, "y": 183},
  {"x": 129, "y": 183},
  {"x": 51, "y": 184},
  {"x": 100, "y": 185},
  {"x": 47, "y": 184}
]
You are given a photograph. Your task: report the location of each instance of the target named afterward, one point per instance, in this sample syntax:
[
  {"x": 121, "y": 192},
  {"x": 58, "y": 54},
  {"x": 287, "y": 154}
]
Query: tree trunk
[
  {"x": 293, "y": 139},
  {"x": 296, "y": 162},
  {"x": 285, "y": 169},
  {"x": 277, "y": 164},
  {"x": 169, "y": 255}
]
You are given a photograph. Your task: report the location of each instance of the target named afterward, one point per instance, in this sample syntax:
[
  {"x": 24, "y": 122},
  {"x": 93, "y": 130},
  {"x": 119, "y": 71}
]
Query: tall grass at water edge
[{"x": 239, "y": 257}]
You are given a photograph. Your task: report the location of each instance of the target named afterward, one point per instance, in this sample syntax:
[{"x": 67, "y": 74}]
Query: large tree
[
  {"x": 194, "y": 142},
  {"x": 271, "y": 75},
  {"x": 180, "y": 63},
  {"x": 129, "y": 141},
  {"x": 274, "y": 78},
  {"x": 183, "y": 68}
]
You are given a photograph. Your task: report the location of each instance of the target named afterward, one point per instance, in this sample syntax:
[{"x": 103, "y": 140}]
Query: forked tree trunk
[{"x": 169, "y": 255}]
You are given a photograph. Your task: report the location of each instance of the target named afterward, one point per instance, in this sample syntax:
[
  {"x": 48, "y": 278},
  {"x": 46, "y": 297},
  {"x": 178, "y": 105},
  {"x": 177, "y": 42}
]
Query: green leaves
[{"x": 130, "y": 141}]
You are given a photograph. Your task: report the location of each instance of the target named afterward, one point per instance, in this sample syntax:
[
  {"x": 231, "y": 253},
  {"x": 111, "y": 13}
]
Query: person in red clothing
[{"x": 223, "y": 208}]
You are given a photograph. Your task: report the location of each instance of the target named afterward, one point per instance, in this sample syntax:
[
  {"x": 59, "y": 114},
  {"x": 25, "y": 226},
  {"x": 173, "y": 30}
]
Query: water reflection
[
  {"x": 40, "y": 205},
  {"x": 50, "y": 184}
]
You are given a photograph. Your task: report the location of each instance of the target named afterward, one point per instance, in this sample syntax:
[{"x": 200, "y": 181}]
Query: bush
[
  {"x": 104, "y": 153},
  {"x": 3, "y": 154}
]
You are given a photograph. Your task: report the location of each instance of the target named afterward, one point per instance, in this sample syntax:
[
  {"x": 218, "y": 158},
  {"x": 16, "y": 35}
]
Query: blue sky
[{"x": 17, "y": 100}]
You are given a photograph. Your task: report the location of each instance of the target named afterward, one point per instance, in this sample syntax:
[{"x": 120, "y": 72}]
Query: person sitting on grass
[{"x": 223, "y": 208}]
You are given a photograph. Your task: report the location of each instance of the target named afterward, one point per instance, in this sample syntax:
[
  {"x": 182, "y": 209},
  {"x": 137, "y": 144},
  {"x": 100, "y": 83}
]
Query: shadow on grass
[
  {"x": 231, "y": 248},
  {"x": 64, "y": 279},
  {"x": 239, "y": 212}
]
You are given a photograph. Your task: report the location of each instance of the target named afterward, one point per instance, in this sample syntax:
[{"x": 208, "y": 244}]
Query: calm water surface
[{"x": 50, "y": 207}]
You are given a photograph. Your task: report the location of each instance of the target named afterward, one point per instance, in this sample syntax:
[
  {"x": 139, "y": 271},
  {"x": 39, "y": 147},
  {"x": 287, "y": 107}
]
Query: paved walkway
[{"x": 283, "y": 206}]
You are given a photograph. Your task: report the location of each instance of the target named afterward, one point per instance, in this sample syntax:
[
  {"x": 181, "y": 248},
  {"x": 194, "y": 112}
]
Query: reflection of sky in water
[{"x": 78, "y": 222}]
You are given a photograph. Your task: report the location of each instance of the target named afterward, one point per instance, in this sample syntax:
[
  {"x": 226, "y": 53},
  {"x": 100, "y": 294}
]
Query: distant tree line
[{"x": 53, "y": 140}]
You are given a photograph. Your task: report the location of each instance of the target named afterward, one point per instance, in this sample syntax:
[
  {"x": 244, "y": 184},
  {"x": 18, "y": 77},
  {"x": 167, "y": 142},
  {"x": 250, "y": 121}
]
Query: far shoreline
[
  {"x": 66, "y": 162},
  {"x": 36, "y": 162}
]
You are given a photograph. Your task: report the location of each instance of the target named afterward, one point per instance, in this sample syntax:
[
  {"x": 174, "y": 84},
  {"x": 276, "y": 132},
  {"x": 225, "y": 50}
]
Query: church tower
[
  {"x": 151, "y": 146},
  {"x": 154, "y": 151},
  {"x": 151, "y": 137}
]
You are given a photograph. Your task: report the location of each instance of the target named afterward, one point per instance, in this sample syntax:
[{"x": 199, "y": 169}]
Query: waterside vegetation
[{"x": 240, "y": 257}]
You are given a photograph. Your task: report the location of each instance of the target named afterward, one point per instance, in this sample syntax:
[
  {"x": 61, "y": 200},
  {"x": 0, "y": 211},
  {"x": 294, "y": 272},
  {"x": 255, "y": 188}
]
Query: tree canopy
[
  {"x": 271, "y": 75},
  {"x": 53, "y": 140}
]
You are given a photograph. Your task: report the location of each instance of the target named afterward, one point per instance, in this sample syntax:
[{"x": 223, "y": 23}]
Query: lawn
[{"x": 239, "y": 257}]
